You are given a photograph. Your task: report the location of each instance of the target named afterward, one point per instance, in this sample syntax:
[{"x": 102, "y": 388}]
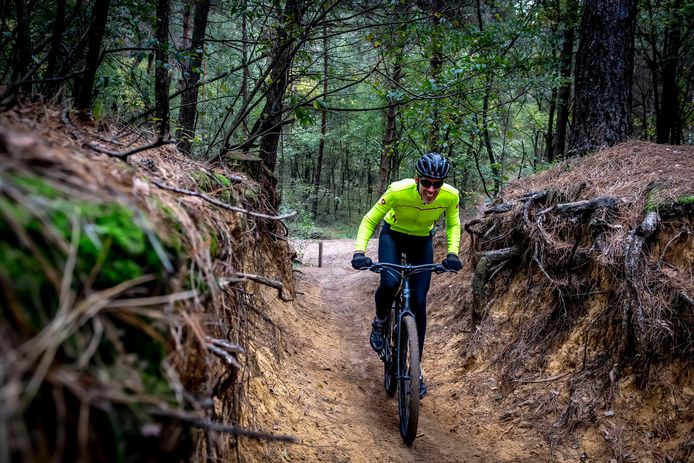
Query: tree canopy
[{"x": 337, "y": 98}]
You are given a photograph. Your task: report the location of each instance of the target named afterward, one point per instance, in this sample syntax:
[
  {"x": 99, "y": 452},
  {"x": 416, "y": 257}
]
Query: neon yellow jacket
[{"x": 403, "y": 208}]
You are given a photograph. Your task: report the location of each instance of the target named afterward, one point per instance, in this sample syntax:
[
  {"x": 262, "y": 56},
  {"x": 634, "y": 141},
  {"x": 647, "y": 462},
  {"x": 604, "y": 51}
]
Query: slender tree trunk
[
  {"x": 95, "y": 37},
  {"x": 564, "y": 93},
  {"x": 435, "y": 64},
  {"x": 185, "y": 34},
  {"x": 487, "y": 140},
  {"x": 549, "y": 136},
  {"x": 653, "y": 62},
  {"x": 604, "y": 71},
  {"x": 187, "y": 115},
  {"x": 323, "y": 128},
  {"x": 161, "y": 73},
  {"x": 670, "y": 113},
  {"x": 23, "y": 43},
  {"x": 51, "y": 88},
  {"x": 269, "y": 125},
  {"x": 246, "y": 70},
  {"x": 390, "y": 134}
]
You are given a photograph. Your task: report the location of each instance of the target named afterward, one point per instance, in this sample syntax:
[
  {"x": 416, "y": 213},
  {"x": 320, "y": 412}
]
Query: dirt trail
[{"x": 342, "y": 413}]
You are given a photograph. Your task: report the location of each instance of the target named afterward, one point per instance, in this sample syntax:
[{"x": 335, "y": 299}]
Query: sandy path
[{"x": 347, "y": 415}]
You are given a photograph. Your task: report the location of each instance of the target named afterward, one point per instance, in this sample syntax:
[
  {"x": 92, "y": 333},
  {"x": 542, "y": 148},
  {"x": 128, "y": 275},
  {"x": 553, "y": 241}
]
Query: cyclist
[{"x": 410, "y": 208}]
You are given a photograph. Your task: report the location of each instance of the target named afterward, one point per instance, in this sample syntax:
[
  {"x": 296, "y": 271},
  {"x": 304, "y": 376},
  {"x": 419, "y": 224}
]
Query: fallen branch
[
  {"x": 216, "y": 202},
  {"x": 123, "y": 156},
  {"x": 586, "y": 205},
  {"x": 204, "y": 423},
  {"x": 499, "y": 209},
  {"x": 224, "y": 282}
]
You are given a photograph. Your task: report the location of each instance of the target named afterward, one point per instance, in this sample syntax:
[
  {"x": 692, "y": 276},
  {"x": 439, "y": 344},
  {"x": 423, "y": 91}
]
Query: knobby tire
[{"x": 408, "y": 382}]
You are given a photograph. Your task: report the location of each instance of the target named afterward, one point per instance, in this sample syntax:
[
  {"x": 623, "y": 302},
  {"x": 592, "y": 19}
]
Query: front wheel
[{"x": 408, "y": 380}]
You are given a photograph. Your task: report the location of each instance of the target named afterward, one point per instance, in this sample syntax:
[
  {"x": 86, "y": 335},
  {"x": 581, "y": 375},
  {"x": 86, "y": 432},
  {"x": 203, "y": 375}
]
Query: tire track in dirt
[{"x": 347, "y": 414}]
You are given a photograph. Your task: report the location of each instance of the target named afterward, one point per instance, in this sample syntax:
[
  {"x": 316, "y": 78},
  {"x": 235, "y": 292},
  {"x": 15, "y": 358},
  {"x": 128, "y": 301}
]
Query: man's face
[{"x": 428, "y": 188}]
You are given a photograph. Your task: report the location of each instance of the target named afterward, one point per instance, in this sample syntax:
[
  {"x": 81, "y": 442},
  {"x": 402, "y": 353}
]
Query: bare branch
[
  {"x": 216, "y": 202},
  {"x": 204, "y": 423}
]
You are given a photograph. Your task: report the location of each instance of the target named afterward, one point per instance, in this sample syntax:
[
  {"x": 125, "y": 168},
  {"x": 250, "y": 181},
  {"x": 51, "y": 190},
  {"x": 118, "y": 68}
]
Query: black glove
[
  {"x": 451, "y": 262},
  {"x": 360, "y": 261}
]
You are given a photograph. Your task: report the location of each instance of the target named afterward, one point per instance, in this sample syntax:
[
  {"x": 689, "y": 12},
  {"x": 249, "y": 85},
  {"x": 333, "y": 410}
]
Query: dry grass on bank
[
  {"x": 94, "y": 367},
  {"x": 581, "y": 303}
]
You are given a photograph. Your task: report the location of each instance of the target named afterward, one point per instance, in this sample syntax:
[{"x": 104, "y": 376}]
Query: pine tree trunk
[
  {"x": 604, "y": 71},
  {"x": 435, "y": 64}
]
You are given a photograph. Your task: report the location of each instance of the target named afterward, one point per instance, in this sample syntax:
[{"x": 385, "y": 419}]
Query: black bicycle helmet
[{"x": 433, "y": 165}]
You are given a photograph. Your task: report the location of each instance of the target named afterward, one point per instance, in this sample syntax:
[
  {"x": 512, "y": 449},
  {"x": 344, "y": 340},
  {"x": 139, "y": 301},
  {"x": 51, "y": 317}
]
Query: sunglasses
[{"x": 428, "y": 183}]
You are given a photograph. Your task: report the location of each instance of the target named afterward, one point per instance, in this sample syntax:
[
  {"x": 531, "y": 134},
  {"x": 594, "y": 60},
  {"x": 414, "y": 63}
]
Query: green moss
[
  {"x": 657, "y": 201},
  {"x": 38, "y": 222},
  {"x": 110, "y": 236},
  {"x": 222, "y": 179},
  {"x": 202, "y": 180},
  {"x": 214, "y": 245}
]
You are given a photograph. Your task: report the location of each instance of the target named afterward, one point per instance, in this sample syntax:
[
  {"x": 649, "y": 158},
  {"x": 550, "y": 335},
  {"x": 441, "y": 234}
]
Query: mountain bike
[{"x": 401, "y": 369}]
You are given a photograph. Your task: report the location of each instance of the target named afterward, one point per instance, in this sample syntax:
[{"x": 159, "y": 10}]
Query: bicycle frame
[
  {"x": 402, "y": 328},
  {"x": 405, "y": 271}
]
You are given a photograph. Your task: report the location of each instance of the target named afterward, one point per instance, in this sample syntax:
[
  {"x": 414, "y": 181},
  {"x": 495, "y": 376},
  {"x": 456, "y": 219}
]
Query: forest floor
[{"x": 335, "y": 403}]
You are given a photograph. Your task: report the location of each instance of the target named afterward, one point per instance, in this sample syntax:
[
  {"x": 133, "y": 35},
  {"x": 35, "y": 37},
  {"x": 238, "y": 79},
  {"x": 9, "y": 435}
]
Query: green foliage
[{"x": 299, "y": 197}]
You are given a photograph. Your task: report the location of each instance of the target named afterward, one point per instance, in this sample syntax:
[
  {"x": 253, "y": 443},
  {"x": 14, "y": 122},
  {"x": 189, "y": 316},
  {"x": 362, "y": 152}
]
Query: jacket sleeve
[
  {"x": 371, "y": 219},
  {"x": 453, "y": 226}
]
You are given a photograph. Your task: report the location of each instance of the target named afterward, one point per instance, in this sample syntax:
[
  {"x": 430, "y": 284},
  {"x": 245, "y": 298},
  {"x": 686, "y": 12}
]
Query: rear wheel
[
  {"x": 408, "y": 381},
  {"x": 390, "y": 382}
]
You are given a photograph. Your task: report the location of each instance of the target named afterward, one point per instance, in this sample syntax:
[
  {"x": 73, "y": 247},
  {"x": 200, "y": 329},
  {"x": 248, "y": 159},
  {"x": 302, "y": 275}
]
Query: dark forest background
[{"x": 337, "y": 98}]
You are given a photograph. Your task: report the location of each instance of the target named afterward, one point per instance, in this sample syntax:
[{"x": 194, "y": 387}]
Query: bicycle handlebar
[{"x": 409, "y": 269}]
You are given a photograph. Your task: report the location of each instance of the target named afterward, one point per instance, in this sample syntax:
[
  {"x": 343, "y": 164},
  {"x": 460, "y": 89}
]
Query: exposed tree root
[{"x": 570, "y": 250}]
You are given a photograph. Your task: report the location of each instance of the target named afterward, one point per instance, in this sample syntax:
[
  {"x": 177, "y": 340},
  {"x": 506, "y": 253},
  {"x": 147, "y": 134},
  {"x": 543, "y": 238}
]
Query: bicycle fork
[{"x": 405, "y": 312}]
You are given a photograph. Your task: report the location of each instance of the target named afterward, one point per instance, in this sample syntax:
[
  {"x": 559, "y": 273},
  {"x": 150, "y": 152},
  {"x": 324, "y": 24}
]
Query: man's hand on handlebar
[
  {"x": 360, "y": 261},
  {"x": 451, "y": 262}
]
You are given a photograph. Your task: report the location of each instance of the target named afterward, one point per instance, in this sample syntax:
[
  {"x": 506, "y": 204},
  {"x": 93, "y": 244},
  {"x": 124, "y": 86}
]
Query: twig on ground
[{"x": 541, "y": 380}]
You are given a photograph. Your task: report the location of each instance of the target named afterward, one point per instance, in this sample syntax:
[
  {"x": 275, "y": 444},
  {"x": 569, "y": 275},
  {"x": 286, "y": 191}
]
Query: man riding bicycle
[{"x": 410, "y": 208}]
